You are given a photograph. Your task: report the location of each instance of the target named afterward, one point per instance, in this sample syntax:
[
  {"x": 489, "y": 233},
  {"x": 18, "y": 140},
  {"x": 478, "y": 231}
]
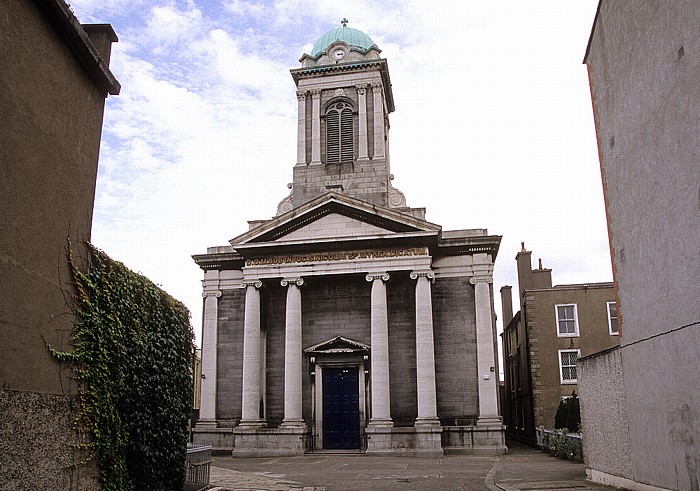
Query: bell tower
[{"x": 344, "y": 101}]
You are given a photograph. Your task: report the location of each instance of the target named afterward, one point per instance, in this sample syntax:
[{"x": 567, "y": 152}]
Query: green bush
[{"x": 132, "y": 346}]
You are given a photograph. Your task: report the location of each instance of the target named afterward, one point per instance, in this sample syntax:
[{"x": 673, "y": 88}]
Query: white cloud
[{"x": 493, "y": 126}]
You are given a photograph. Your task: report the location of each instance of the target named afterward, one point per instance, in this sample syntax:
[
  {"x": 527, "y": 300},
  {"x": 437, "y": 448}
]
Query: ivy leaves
[{"x": 132, "y": 349}]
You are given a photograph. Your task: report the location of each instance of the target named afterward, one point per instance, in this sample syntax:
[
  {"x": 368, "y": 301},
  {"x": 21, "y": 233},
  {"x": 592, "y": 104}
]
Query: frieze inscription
[{"x": 336, "y": 256}]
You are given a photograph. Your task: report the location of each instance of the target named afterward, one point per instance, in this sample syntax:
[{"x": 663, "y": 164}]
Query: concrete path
[{"x": 523, "y": 469}]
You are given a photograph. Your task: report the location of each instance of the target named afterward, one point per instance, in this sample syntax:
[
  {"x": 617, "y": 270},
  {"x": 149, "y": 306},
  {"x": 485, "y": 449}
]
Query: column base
[
  {"x": 253, "y": 423},
  {"x": 382, "y": 423},
  {"x": 293, "y": 423},
  {"x": 489, "y": 420},
  {"x": 427, "y": 422}
]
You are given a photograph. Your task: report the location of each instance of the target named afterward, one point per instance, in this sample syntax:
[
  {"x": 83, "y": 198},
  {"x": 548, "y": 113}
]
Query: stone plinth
[
  {"x": 479, "y": 439},
  {"x": 286, "y": 440},
  {"x": 417, "y": 441},
  {"x": 220, "y": 439}
]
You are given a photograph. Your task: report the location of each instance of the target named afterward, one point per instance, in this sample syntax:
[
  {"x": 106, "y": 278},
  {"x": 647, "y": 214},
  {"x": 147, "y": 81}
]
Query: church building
[{"x": 348, "y": 321}]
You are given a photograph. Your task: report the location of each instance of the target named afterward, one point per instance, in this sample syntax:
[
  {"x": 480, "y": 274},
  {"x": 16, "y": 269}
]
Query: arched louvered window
[{"x": 339, "y": 133}]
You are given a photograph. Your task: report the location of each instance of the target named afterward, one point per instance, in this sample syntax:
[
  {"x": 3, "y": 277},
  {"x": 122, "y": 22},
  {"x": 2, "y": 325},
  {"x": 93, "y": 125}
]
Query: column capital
[
  {"x": 315, "y": 92},
  {"x": 427, "y": 273},
  {"x": 292, "y": 281},
  {"x": 377, "y": 276},
  {"x": 211, "y": 293},
  {"x": 361, "y": 89},
  {"x": 252, "y": 282},
  {"x": 301, "y": 94},
  {"x": 481, "y": 279},
  {"x": 376, "y": 86}
]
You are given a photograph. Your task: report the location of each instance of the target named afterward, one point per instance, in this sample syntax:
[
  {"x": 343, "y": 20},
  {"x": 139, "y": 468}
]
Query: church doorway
[{"x": 341, "y": 408}]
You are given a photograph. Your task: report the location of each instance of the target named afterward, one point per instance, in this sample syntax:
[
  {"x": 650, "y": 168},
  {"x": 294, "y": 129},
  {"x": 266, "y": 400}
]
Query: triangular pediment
[
  {"x": 332, "y": 216},
  {"x": 338, "y": 344},
  {"x": 335, "y": 225}
]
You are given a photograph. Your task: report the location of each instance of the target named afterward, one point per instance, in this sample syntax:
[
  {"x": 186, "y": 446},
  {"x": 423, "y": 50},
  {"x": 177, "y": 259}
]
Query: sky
[{"x": 493, "y": 126}]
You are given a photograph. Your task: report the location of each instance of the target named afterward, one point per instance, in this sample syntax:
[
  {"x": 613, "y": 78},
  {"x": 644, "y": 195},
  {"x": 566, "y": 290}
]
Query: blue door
[{"x": 341, "y": 408}]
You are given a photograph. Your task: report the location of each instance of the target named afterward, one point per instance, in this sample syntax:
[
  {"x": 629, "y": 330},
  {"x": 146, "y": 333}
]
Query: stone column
[
  {"x": 292, "y": 354},
  {"x": 362, "y": 121},
  {"x": 379, "y": 143},
  {"x": 207, "y": 408},
  {"x": 425, "y": 350},
  {"x": 251, "y": 355},
  {"x": 301, "y": 128},
  {"x": 315, "y": 126},
  {"x": 381, "y": 411},
  {"x": 486, "y": 363}
]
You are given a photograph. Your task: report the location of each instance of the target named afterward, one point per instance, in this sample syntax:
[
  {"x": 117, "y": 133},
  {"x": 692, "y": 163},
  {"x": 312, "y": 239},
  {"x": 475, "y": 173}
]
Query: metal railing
[{"x": 197, "y": 466}]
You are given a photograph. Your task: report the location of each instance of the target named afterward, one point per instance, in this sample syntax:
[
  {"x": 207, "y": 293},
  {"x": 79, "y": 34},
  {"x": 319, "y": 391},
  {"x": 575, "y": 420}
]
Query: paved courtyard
[{"x": 522, "y": 469}]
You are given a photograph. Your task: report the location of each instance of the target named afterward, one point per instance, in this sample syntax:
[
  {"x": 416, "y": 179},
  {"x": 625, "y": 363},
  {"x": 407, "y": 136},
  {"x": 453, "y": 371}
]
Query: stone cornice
[{"x": 381, "y": 64}]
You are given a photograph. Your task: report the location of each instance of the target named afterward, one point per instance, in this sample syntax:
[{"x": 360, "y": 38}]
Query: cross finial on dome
[{"x": 344, "y": 22}]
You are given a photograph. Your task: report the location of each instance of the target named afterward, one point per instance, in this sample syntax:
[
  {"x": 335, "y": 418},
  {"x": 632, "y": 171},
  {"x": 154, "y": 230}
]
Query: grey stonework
[
  {"x": 229, "y": 355},
  {"x": 455, "y": 351},
  {"x": 366, "y": 180}
]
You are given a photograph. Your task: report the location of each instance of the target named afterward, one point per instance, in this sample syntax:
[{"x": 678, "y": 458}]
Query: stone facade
[
  {"x": 348, "y": 321},
  {"x": 643, "y": 63},
  {"x": 53, "y": 86},
  {"x": 533, "y": 344}
]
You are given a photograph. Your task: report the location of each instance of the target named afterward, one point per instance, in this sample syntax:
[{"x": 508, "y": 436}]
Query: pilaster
[
  {"x": 362, "y": 153},
  {"x": 315, "y": 126},
  {"x": 207, "y": 409},
  {"x": 379, "y": 137},
  {"x": 301, "y": 127},
  {"x": 486, "y": 363}
]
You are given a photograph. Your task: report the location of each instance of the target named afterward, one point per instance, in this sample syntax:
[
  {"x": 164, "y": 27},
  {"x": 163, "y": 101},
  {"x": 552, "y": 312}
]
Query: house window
[
  {"x": 567, "y": 365},
  {"x": 567, "y": 320},
  {"x": 339, "y": 133},
  {"x": 612, "y": 319}
]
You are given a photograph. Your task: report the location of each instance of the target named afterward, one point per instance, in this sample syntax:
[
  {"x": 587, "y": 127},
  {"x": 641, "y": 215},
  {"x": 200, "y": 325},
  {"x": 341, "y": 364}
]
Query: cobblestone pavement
[{"x": 523, "y": 469}]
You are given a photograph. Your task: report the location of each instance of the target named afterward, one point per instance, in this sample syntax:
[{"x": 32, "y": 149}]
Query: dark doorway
[{"x": 341, "y": 408}]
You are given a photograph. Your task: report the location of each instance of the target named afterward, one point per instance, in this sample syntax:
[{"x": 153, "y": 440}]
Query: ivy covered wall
[{"x": 132, "y": 354}]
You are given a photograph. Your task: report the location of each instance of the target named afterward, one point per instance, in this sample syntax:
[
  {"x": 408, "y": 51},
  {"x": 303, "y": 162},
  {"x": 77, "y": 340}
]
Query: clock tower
[{"x": 344, "y": 101}]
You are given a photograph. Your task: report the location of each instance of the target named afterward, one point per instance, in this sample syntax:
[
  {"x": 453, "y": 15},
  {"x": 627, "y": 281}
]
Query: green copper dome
[{"x": 348, "y": 35}]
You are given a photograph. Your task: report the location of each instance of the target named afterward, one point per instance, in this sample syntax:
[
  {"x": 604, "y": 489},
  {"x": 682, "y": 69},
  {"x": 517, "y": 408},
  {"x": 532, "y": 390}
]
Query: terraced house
[{"x": 542, "y": 342}]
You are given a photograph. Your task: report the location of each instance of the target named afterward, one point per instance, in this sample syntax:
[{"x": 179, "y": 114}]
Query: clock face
[{"x": 338, "y": 54}]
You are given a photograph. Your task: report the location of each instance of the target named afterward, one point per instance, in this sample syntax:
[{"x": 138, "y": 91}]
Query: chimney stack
[{"x": 506, "y": 304}]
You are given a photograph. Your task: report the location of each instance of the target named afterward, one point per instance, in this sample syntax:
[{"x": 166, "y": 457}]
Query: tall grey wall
[
  {"x": 644, "y": 61},
  {"x": 606, "y": 442}
]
